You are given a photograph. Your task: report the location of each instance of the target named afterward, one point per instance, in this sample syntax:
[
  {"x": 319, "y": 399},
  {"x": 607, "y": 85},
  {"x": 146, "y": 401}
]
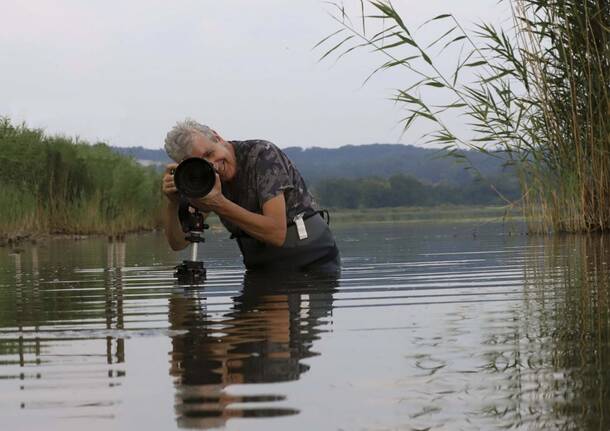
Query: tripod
[{"x": 191, "y": 272}]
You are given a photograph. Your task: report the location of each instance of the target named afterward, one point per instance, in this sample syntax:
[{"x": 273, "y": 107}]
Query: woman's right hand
[{"x": 168, "y": 186}]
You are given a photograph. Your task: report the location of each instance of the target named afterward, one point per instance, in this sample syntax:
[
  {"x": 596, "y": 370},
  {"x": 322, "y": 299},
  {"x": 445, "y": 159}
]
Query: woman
[{"x": 259, "y": 196}]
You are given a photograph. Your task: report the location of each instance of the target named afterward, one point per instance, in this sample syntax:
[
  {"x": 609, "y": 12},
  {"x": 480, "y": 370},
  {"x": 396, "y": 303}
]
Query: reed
[
  {"x": 62, "y": 185},
  {"x": 535, "y": 94}
]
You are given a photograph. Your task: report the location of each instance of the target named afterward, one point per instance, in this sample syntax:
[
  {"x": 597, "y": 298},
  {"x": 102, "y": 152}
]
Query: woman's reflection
[{"x": 268, "y": 330}]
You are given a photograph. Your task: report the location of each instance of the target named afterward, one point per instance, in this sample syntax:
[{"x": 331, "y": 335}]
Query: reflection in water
[
  {"x": 22, "y": 306},
  {"x": 264, "y": 337},
  {"x": 427, "y": 332},
  {"x": 554, "y": 354},
  {"x": 113, "y": 287},
  {"x": 47, "y": 316}
]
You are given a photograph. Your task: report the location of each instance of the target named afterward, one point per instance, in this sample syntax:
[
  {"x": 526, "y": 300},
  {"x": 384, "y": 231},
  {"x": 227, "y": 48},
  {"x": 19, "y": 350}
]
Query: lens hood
[{"x": 194, "y": 177}]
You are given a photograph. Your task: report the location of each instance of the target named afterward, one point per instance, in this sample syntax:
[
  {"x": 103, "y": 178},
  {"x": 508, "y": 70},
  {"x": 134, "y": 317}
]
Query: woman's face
[{"x": 220, "y": 154}]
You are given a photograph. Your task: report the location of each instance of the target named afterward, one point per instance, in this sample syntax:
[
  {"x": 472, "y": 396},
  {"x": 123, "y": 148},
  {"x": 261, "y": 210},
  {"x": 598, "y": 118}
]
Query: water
[{"x": 427, "y": 327}]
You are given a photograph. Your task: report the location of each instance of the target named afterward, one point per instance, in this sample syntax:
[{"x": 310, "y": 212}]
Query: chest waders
[{"x": 309, "y": 245}]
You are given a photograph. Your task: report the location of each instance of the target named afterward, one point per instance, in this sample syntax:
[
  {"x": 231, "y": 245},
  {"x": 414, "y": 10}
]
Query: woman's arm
[
  {"x": 173, "y": 229},
  {"x": 269, "y": 227}
]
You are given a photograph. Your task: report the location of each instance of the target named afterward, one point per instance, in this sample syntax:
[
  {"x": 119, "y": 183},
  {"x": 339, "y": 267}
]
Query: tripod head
[{"x": 191, "y": 221}]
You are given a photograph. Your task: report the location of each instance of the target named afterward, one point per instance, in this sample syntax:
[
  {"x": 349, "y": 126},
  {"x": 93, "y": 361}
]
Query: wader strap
[{"x": 323, "y": 213}]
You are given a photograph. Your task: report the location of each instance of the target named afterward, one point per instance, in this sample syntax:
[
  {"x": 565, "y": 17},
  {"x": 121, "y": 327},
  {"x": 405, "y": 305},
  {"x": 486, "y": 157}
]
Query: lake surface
[{"x": 427, "y": 327}]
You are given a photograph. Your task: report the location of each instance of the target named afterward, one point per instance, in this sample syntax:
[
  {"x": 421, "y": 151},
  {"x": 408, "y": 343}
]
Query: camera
[{"x": 194, "y": 177}]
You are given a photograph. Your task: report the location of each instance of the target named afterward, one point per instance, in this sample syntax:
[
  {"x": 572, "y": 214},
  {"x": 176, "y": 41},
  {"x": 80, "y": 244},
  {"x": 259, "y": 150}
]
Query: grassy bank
[{"x": 59, "y": 185}]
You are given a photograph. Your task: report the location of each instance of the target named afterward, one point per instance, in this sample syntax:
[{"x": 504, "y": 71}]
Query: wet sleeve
[{"x": 271, "y": 173}]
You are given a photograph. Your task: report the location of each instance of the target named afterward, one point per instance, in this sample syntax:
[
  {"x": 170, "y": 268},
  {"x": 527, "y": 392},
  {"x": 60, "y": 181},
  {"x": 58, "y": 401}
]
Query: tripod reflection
[{"x": 269, "y": 329}]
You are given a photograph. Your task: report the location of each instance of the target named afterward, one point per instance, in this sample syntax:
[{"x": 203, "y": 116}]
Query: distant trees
[
  {"x": 428, "y": 165},
  {"x": 404, "y": 190},
  {"x": 432, "y": 166}
]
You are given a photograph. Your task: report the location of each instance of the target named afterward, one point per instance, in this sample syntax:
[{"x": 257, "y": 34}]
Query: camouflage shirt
[{"x": 263, "y": 172}]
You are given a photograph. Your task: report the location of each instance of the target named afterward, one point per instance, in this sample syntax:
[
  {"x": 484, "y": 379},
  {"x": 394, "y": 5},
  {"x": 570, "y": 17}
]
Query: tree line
[
  {"x": 404, "y": 190},
  {"x": 431, "y": 166},
  {"x": 56, "y": 184}
]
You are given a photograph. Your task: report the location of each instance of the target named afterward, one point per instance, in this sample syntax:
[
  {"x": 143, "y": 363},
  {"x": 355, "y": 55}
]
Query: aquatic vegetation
[
  {"x": 535, "y": 94},
  {"x": 54, "y": 184}
]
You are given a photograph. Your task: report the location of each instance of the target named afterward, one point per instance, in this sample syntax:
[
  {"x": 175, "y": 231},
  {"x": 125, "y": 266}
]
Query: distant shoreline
[
  {"x": 339, "y": 216},
  {"x": 14, "y": 239},
  {"x": 440, "y": 213}
]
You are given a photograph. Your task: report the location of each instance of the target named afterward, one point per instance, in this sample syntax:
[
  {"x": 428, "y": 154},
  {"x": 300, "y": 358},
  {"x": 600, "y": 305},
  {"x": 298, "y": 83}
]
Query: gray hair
[{"x": 179, "y": 140}]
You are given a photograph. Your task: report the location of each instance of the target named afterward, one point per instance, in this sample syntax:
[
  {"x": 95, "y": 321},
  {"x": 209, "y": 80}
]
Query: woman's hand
[
  {"x": 167, "y": 184},
  {"x": 212, "y": 201}
]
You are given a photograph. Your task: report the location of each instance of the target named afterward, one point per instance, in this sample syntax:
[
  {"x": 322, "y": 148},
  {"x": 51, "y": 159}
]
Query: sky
[{"x": 123, "y": 72}]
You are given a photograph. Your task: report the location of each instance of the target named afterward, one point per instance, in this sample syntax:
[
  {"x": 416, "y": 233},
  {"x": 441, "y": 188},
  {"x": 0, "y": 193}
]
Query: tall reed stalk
[{"x": 535, "y": 94}]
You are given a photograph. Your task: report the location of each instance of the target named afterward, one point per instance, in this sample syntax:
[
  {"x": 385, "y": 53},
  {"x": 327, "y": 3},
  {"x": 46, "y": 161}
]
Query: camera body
[{"x": 194, "y": 177}]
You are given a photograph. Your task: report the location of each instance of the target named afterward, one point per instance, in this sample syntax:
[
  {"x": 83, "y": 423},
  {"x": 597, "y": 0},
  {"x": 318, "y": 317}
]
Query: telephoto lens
[{"x": 194, "y": 177}]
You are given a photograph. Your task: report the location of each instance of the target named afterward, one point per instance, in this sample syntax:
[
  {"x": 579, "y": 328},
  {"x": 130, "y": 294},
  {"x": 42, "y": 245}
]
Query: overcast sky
[{"x": 124, "y": 72}]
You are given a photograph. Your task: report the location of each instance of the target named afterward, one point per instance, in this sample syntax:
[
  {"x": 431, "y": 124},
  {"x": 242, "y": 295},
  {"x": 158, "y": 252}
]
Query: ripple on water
[{"x": 442, "y": 334}]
